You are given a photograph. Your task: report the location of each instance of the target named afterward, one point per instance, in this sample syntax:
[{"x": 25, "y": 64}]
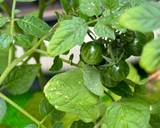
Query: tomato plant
[{"x": 104, "y": 89}]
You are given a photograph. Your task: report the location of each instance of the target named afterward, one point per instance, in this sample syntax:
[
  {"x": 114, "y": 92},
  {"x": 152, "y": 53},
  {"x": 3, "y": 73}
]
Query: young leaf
[
  {"x": 21, "y": 78},
  {"x": 68, "y": 93},
  {"x": 144, "y": 18},
  {"x": 127, "y": 113},
  {"x": 3, "y": 59},
  {"x": 5, "y": 40},
  {"x": 103, "y": 29},
  {"x": 150, "y": 58},
  {"x": 57, "y": 64},
  {"x": 67, "y": 35},
  {"x": 3, "y": 109},
  {"x": 33, "y": 26},
  {"x": 91, "y": 7},
  {"x": 3, "y": 21},
  {"x": 24, "y": 41},
  {"x": 92, "y": 80}
]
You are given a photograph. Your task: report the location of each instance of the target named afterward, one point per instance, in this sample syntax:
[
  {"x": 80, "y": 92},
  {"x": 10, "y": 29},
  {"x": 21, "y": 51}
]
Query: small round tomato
[
  {"x": 135, "y": 47},
  {"x": 107, "y": 80},
  {"x": 119, "y": 71},
  {"x": 91, "y": 53}
]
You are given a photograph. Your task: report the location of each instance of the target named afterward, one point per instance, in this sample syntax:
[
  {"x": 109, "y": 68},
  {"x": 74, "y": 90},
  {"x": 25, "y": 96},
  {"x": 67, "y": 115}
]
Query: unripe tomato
[
  {"x": 135, "y": 47},
  {"x": 91, "y": 53},
  {"x": 107, "y": 80},
  {"x": 119, "y": 71}
]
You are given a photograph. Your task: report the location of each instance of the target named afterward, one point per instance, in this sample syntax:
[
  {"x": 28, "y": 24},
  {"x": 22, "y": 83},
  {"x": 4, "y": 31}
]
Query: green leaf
[
  {"x": 46, "y": 109},
  {"x": 133, "y": 74},
  {"x": 66, "y": 5},
  {"x": 132, "y": 3},
  {"x": 25, "y": 0},
  {"x": 110, "y": 4},
  {"x": 31, "y": 126},
  {"x": 80, "y": 124},
  {"x": 23, "y": 40},
  {"x": 68, "y": 93},
  {"x": 58, "y": 125},
  {"x": 103, "y": 29},
  {"x": 127, "y": 113},
  {"x": 92, "y": 80},
  {"x": 144, "y": 18},
  {"x": 21, "y": 78},
  {"x": 3, "y": 109},
  {"x": 57, "y": 64},
  {"x": 3, "y": 59},
  {"x": 122, "y": 89},
  {"x": 91, "y": 7},
  {"x": 69, "y": 33},
  {"x": 150, "y": 58},
  {"x": 3, "y": 20},
  {"x": 5, "y": 40},
  {"x": 33, "y": 26}
]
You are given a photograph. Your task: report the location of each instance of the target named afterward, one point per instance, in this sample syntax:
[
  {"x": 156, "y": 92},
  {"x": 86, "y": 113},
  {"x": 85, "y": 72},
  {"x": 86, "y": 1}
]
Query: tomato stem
[
  {"x": 92, "y": 21},
  {"x": 11, "y": 51},
  {"x": 64, "y": 60}
]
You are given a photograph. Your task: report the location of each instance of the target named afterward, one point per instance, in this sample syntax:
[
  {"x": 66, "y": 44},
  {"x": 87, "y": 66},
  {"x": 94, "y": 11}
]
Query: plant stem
[
  {"x": 18, "y": 60},
  {"x": 20, "y": 109},
  {"x": 64, "y": 60},
  {"x": 42, "y": 6},
  {"x": 10, "y": 55},
  {"x": 69, "y": 62},
  {"x": 92, "y": 21}
]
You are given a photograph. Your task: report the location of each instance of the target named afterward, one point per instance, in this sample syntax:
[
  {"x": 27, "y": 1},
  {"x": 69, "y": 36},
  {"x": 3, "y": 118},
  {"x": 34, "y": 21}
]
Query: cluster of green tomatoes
[{"x": 109, "y": 56}]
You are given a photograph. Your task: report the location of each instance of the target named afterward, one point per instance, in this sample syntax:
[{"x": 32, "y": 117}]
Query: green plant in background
[{"x": 105, "y": 89}]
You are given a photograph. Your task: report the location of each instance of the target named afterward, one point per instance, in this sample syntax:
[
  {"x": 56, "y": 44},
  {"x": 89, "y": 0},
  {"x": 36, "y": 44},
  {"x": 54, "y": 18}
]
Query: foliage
[{"x": 105, "y": 89}]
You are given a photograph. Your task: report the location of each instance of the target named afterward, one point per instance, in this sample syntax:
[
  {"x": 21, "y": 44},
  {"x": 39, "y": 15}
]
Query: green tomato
[
  {"x": 119, "y": 71},
  {"x": 107, "y": 80},
  {"x": 91, "y": 53},
  {"x": 135, "y": 48}
]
